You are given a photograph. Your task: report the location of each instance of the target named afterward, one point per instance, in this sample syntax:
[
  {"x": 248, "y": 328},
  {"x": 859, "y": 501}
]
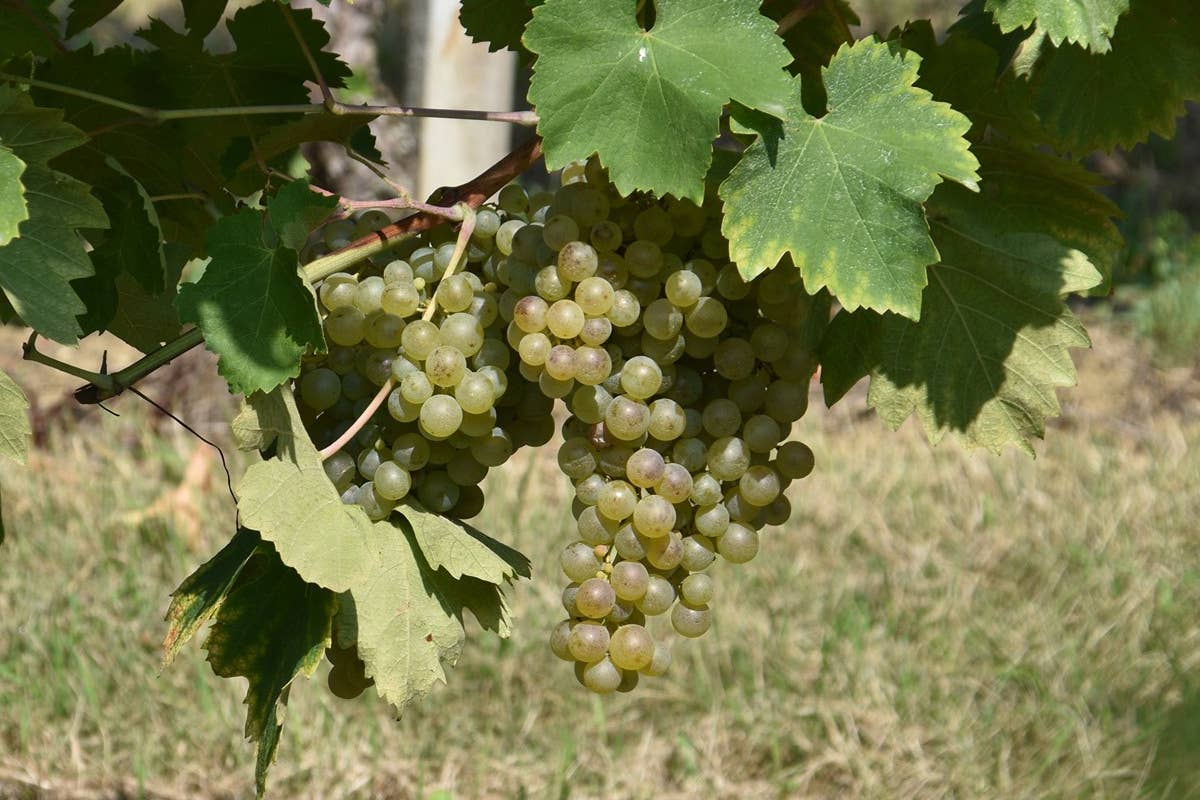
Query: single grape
[
  {"x": 690, "y": 621},
  {"x": 640, "y": 377},
  {"x": 320, "y": 389},
  {"x": 603, "y": 677},
  {"x": 392, "y": 482},
  {"x": 441, "y": 415},
  {"x": 588, "y": 642},
  {"x": 653, "y": 516},
  {"x": 463, "y": 332},
  {"x": 445, "y": 367},
  {"x": 629, "y": 579},
  {"x": 739, "y": 544},
  {"x": 662, "y": 320},
  {"x": 698, "y": 553},
  {"x": 559, "y": 638},
  {"x": 659, "y": 597},
  {"x": 579, "y": 562},
  {"x": 420, "y": 338},
  {"x": 626, "y": 419},
  {"x": 645, "y": 468},
  {"x": 711, "y": 520},
  {"x": 617, "y": 500},
  {"x": 595, "y": 598},
  {"x": 794, "y": 460},
  {"x": 759, "y": 485},
  {"x": 659, "y": 664},
  {"x": 631, "y": 647},
  {"x": 666, "y": 552},
  {"x": 675, "y": 486}
]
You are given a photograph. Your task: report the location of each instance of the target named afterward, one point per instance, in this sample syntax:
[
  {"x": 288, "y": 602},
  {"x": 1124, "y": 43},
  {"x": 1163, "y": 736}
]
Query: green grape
[
  {"x": 594, "y": 296},
  {"x": 786, "y": 400},
  {"x": 690, "y": 454},
  {"x": 410, "y": 451},
  {"x": 666, "y": 552},
  {"x": 739, "y": 544},
  {"x": 778, "y": 512},
  {"x": 526, "y": 243},
  {"x": 570, "y": 591},
  {"x": 454, "y": 293},
  {"x": 706, "y": 490},
  {"x": 645, "y": 468},
  {"x": 416, "y": 387},
  {"x": 602, "y": 677},
  {"x": 626, "y": 310},
  {"x": 690, "y": 621},
  {"x": 721, "y": 417},
  {"x": 640, "y": 377},
  {"x": 662, "y": 320},
  {"x": 383, "y": 330},
  {"x": 552, "y": 387},
  {"x": 614, "y": 458},
  {"x": 475, "y": 394},
  {"x": 617, "y": 500},
  {"x": 438, "y": 493},
  {"x": 628, "y": 544},
  {"x": 505, "y": 235},
  {"x": 794, "y": 460},
  {"x": 659, "y": 597},
  {"x": 577, "y": 458},
  {"x": 340, "y": 469},
  {"x": 345, "y": 326},
  {"x": 369, "y": 500},
  {"x": 420, "y": 338},
  {"x": 797, "y": 364},
  {"x": 369, "y": 294},
  {"x": 534, "y": 348},
  {"x": 530, "y": 314},
  {"x": 643, "y": 258},
  {"x": 465, "y": 470},
  {"x": 653, "y": 516},
  {"x": 761, "y": 433},
  {"x": 595, "y": 528},
  {"x": 560, "y": 362},
  {"x": 397, "y": 272},
  {"x": 626, "y": 419},
  {"x": 338, "y": 234},
  {"x": 371, "y": 221},
  {"x": 612, "y": 268},
  {"x": 442, "y": 258},
  {"x": 355, "y": 386},
  {"x": 463, "y": 332},
  {"x": 711, "y": 520},
  {"x": 687, "y": 218},
  {"x": 487, "y": 222},
  {"x": 579, "y": 562},
  {"x": 759, "y": 485},
  {"x": 707, "y": 318},
  {"x": 477, "y": 425},
  {"x": 588, "y": 402},
  {"x": 770, "y": 341},
  {"x": 402, "y": 410},
  {"x": 392, "y": 481},
  {"x": 560, "y": 230},
  {"x": 492, "y": 353},
  {"x": 445, "y": 367},
  {"x": 440, "y": 416},
  {"x": 631, "y": 647},
  {"x": 565, "y": 319},
  {"x": 629, "y": 580},
  {"x": 596, "y": 331},
  {"x": 559, "y": 637},
  {"x": 734, "y": 359},
  {"x": 667, "y": 420},
  {"x": 341, "y": 360},
  {"x": 727, "y": 458},
  {"x": 494, "y": 449},
  {"x": 663, "y": 351},
  {"x": 683, "y": 289},
  {"x": 595, "y": 598},
  {"x": 592, "y": 366},
  {"x": 660, "y": 664},
  {"x": 368, "y": 461},
  {"x": 654, "y": 225},
  {"x": 698, "y": 553},
  {"x": 513, "y": 199},
  {"x": 606, "y": 236},
  {"x": 551, "y": 285},
  {"x": 577, "y": 261},
  {"x": 320, "y": 389},
  {"x": 335, "y": 295}
]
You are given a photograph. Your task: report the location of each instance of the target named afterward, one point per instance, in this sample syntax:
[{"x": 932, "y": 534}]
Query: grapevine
[{"x": 745, "y": 201}]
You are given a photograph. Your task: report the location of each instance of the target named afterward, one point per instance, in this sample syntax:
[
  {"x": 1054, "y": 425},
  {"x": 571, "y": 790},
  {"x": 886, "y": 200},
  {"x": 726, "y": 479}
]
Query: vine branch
[
  {"x": 159, "y": 115},
  {"x": 472, "y": 194}
]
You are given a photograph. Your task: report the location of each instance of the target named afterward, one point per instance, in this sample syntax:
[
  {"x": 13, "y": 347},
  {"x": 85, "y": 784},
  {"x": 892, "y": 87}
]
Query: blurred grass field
[{"x": 932, "y": 624}]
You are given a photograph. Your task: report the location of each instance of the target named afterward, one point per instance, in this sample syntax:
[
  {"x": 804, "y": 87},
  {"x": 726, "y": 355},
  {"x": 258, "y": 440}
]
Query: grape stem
[
  {"x": 472, "y": 194},
  {"x": 460, "y": 248}
]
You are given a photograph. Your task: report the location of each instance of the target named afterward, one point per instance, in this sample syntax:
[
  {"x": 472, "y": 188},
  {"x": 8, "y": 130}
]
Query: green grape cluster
[{"x": 682, "y": 381}]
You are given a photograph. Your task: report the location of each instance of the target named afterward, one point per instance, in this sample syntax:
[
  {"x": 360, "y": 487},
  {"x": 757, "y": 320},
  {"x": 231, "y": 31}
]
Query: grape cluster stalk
[{"x": 682, "y": 381}]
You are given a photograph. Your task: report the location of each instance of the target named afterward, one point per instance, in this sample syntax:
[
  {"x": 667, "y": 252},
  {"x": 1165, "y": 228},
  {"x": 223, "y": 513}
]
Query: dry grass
[{"x": 932, "y": 624}]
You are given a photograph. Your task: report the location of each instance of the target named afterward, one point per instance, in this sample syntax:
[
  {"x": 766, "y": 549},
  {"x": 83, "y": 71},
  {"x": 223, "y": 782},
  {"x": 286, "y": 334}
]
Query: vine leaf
[
  {"x": 649, "y": 101},
  {"x": 409, "y": 616},
  {"x": 15, "y": 429},
  {"x": 296, "y": 210},
  {"x": 842, "y": 194},
  {"x": 146, "y": 320},
  {"x": 813, "y": 40},
  {"x": 86, "y": 13},
  {"x": 993, "y": 341},
  {"x": 1091, "y": 101},
  {"x": 289, "y": 500},
  {"x": 498, "y": 23},
  {"x": 13, "y": 208},
  {"x": 256, "y": 311},
  {"x": 1087, "y": 23},
  {"x": 199, "y": 597},
  {"x": 462, "y": 550},
  {"x": 272, "y": 628},
  {"x": 36, "y": 267},
  {"x": 27, "y": 26}
]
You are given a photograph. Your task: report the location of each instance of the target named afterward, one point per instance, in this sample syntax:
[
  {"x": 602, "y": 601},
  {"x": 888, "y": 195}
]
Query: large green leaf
[
  {"x": 993, "y": 341},
  {"x": 842, "y": 194},
  {"x": 1088, "y": 23},
  {"x": 257, "y": 313},
  {"x": 199, "y": 597},
  {"x": 147, "y": 320},
  {"x": 409, "y": 617},
  {"x": 462, "y": 550},
  {"x": 649, "y": 101},
  {"x": 1090, "y": 100},
  {"x": 37, "y": 267},
  {"x": 15, "y": 429},
  {"x": 272, "y": 628},
  {"x": 289, "y": 500},
  {"x": 86, "y": 13},
  {"x": 499, "y": 23},
  {"x": 27, "y": 26},
  {"x": 13, "y": 208}
]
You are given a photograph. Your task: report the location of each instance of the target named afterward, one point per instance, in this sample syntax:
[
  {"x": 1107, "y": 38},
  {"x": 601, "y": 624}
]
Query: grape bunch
[{"x": 682, "y": 381}]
